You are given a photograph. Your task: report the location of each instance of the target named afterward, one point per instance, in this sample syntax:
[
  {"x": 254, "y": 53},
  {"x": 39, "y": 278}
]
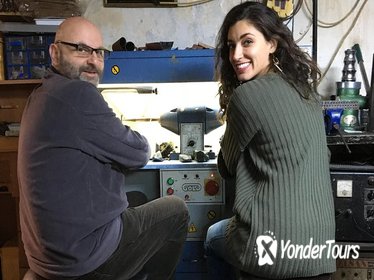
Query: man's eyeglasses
[{"x": 86, "y": 51}]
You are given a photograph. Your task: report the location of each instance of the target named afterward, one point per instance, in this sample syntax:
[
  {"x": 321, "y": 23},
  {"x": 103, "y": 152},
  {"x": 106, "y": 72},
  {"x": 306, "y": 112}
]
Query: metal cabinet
[{"x": 159, "y": 66}]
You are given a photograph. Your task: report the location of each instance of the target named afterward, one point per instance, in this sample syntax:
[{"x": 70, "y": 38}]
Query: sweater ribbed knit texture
[{"x": 275, "y": 145}]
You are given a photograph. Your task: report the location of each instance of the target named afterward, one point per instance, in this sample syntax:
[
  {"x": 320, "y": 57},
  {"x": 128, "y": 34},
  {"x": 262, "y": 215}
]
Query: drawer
[
  {"x": 8, "y": 172},
  {"x": 4, "y": 171},
  {"x": 12, "y": 103}
]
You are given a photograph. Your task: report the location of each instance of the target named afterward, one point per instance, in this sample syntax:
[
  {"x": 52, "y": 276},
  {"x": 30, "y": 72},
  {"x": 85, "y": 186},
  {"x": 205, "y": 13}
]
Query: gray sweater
[
  {"x": 72, "y": 149},
  {"x": 275, "y": 146}
]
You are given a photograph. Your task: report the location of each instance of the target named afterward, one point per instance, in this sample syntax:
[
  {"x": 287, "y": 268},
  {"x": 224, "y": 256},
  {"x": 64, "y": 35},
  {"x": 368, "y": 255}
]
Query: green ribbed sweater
[{"x": 275, "y": 146}]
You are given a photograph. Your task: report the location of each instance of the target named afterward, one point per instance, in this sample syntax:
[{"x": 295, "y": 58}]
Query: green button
[{"x": 170, "y": 181}]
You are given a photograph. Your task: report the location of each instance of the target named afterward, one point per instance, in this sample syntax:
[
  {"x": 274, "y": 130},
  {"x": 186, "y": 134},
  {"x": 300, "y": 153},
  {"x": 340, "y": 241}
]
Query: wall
[
  {"x": 184, "y": 25},
  {"x": 200, "y": 23}
]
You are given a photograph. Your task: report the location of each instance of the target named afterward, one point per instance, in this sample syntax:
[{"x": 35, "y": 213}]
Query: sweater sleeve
[
  {"x": 102, "y": 134},
  {"x": 243, "y": 122},
  {"x": 243, "y": 113}
]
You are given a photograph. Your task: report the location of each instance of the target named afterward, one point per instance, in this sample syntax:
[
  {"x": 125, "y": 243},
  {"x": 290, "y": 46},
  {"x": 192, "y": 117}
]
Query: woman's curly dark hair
[{"x": 297, "y": 66}]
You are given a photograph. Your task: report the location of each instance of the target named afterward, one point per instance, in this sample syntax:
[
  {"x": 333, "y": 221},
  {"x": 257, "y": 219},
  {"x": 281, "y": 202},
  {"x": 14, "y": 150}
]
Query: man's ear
[{"x": 53, "y": 53}]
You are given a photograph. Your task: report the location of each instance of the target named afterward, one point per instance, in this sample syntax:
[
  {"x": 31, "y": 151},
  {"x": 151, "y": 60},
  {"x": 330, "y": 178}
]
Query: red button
[
  {"x": 170, "y": 191},
  {"x": 211, "y": 187}
]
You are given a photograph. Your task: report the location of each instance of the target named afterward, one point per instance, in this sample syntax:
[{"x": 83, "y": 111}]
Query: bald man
[{"x": 73, "y": 152}]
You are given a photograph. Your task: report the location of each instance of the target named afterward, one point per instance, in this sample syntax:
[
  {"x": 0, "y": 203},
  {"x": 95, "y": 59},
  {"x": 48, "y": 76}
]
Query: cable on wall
[
  {"x": 295, "y": 10},
  {"x": 324, "y": 24},
  {"x": 186, "y": 4},
  {"x": 303, "y": 34},
  {"x": 342, "y": 40}
]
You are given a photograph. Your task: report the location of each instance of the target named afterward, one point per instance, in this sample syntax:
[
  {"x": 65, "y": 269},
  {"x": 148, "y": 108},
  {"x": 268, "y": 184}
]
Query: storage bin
[
  {"x": 16, "y": 72},
  {"x": 16, "y": 57},
  {"x": 38, "y": 57},
  {"x": 27, "y": 56},
  {"x": 36, "y": 42},
  {"x": 13, "y": 43},
  {"x": 37, "y": 71}
]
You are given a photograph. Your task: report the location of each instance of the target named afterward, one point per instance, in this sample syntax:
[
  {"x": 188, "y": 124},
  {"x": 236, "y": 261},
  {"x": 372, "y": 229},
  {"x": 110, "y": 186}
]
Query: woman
[{"x": 274, "y": 148}]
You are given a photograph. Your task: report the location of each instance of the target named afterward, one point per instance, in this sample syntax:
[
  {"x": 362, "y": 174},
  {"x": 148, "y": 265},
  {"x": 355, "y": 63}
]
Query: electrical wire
[
  {"x": 342, "y": 40},
  {"x": 302, "y": 35},
  {"x": 295, "y": 10},
  {"x": 323, "y": 24},
  {"x": 186, "y": 4}
]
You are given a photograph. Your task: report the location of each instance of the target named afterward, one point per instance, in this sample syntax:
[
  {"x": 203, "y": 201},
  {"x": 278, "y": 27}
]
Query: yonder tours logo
[
  {"x": 267, "y": 250},
  {"x": 267, "y": 247}
]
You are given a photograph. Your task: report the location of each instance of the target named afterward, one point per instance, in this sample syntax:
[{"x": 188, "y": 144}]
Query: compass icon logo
[{"x": 266, "y": 249}]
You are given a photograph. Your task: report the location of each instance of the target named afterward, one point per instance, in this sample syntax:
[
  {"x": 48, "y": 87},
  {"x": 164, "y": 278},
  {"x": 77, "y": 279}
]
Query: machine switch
[
  {"x": 170, "y": 181},
  {"x": 211, "y": 187},
  {"x": 371, "y": 180},
  {"x": 370, "y": 195}
]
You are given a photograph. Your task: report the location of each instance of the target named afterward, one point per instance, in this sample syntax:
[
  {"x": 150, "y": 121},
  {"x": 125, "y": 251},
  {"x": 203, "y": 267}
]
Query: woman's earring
[{"x": 276, "y": 63}]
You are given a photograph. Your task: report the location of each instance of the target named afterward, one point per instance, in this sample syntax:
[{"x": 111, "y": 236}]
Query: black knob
[
  {"x": 370, "y": 195},
  {"x": 191, "y": 143},
  {"x": 371, "y": 180}
]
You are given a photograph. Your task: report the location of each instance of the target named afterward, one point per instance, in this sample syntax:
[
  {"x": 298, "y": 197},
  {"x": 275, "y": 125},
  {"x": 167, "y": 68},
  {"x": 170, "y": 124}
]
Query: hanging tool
[{"x": 360, "y": 62}]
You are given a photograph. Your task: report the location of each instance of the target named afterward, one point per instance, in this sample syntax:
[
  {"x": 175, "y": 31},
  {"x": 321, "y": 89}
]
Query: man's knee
[
  {"x": 176, "y": 204},
  {"x": 178, "y": 209},
  {"x": 181, "y": 208}
]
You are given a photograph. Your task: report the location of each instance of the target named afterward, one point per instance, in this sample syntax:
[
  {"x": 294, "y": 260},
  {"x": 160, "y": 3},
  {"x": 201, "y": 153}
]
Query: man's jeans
[{"x": 151, "y": 245}]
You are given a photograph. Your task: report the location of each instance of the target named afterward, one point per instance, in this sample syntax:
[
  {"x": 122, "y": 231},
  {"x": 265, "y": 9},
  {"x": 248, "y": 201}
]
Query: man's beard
[{"x": 74, "y": 73}]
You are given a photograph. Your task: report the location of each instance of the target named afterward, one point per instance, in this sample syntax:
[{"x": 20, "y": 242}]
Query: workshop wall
[{"x": 186, "y": 26}]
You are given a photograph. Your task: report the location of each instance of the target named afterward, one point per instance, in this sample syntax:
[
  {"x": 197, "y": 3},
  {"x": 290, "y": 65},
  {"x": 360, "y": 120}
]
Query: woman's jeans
[{"x": 218, "y": 268}]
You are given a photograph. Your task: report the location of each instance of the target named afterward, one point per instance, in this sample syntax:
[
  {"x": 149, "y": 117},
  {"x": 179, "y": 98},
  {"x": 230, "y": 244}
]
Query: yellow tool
[{"x": 284, "y": 8}]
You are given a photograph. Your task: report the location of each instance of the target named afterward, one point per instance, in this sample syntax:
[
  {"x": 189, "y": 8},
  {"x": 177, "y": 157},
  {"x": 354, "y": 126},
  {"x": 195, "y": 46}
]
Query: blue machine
[{"x": 159, "y": 66}]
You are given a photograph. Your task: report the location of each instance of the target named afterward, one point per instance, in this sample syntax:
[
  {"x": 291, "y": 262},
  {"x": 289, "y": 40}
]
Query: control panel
[
  {"x": 194, "y": 186},
  {"x": 203, "y": 191},
  {"x": 354, "y": 205}
]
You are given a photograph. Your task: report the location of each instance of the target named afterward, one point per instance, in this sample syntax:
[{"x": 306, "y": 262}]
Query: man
[{"x": 72, "y": 150}]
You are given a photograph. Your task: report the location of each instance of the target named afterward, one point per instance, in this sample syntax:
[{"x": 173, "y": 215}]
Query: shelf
[
  {"x": 20, "y": 27},
  {"x": 5, "y": 193},
  {"x": 13, "y": 98},
  {"x": 8, "y": 144},
  {"x": 366, "y": 138},
  {"x": 15, "y": 17},
  {"x": 20, "y": 82}
]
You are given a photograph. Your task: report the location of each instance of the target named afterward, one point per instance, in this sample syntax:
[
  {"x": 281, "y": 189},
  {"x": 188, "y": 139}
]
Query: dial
[
  {"x": 192, "y": 137},
  {"x": 344, "y": 188}
]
